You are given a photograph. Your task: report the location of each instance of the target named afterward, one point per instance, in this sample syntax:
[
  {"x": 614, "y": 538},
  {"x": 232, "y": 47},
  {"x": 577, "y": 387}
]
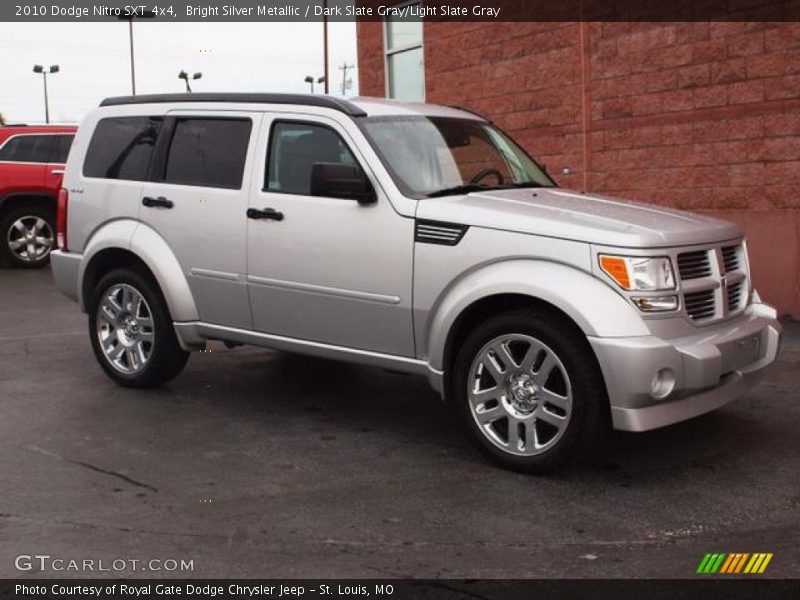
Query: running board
[{"x": 194, "y": 335}]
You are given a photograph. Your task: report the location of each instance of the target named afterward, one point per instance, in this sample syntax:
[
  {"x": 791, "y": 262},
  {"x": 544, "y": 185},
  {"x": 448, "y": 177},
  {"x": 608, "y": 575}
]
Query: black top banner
[{"x": 376, "y": 10}]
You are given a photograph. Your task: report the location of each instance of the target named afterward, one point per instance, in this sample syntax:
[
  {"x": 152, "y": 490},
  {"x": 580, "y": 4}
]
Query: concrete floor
[{"x": 260, "y": 464}]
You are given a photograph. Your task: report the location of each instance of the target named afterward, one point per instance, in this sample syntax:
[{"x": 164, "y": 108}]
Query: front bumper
[{"x": 707, "y": 369}]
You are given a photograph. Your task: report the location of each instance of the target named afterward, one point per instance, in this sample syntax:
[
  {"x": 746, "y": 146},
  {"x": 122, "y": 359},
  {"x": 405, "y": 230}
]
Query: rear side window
[
  {"x": 121, "y": 148},
  {"x": 28, "y": 148},
  {"x": 208, "y": 152},
  {"x": 61, "y": 148}
]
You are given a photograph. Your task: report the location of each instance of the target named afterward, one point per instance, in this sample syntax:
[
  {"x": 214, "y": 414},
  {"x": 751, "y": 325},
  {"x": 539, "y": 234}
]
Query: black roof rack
[
  {"x": 470, "y": 111},
  {"x": 304, "y": 99}
]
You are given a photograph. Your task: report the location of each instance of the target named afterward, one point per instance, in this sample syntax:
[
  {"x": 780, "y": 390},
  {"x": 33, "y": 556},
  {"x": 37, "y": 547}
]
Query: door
[
  {"x": 325, "y": 269},
  {"x": 59, "y": 150},
  {"x": 196, "y": 200},
  {"x": 23, "y": 158}
]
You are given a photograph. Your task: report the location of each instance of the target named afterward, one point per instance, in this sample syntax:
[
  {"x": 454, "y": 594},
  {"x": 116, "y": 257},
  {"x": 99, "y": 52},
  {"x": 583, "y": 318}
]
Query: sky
[{"x": 95, "y": 61}]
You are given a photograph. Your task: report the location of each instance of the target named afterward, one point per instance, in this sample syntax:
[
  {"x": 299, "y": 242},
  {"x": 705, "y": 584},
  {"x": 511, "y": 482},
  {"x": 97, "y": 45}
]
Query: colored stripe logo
[{"x": 734, "y": 563}]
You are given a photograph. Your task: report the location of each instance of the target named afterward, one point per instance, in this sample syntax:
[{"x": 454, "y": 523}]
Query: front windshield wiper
[
  {"x": 467, "y": 188},
  {"x": 464, "y": 188},
  {"x": 527, "y": 184}
]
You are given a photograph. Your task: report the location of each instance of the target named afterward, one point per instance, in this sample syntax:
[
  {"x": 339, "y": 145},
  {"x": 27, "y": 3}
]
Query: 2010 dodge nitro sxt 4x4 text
[{"x": 414, "y": 237}]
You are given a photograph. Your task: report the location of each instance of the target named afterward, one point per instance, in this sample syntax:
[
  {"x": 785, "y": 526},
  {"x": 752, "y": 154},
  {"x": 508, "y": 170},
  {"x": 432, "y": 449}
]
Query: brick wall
[{"x": 700, "y": 116}]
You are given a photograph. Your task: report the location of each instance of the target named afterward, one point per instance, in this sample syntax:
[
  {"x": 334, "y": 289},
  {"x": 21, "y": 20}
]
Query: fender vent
[{"x": 436, "y": 232}]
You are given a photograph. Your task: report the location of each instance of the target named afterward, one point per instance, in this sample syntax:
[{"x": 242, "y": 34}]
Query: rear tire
[
  {"x": 131, "y": 330},
  {"x": 27, "y": 236},
  {"x": 529, "y": 391}
]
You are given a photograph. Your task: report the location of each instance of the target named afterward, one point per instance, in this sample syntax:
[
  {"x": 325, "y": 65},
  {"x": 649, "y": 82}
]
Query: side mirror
[{"x": 336, "y": 180}]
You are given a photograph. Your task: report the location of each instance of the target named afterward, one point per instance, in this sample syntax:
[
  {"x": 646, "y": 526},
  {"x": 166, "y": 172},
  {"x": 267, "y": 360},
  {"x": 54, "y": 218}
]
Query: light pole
[
  {"x": 185, "y": 76},
  {"x": 325, "y": 44},
  {"x": 344, "y": 69},
  {"x": 53, "y": 70},
  {"x": 129, "y": 18},
  {"x": 310, "y": 81}
]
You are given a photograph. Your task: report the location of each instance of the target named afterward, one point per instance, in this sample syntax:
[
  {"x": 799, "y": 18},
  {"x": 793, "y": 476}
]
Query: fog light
[
  {"x": 656, "y": 303},
  {"x": 663, "y": 383}
]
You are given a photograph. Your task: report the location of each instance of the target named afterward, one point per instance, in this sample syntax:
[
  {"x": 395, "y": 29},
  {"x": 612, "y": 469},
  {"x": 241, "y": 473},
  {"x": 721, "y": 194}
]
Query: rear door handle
[
  {"x": 267, "y": 213},
  {"x": 57, "y": 172},
  {"x": 162, "y": 202}
]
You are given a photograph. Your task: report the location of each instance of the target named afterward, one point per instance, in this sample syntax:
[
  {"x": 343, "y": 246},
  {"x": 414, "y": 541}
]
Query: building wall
[{"x": 700, "y": 116}]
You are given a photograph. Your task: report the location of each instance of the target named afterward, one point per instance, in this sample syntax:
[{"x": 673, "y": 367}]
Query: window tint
[
  {"x": 28, "y": 148},
  {"x": 121, "y": 148},
  {"x": 208, "y": 152},
  {"x": 294, "y": 148},
  {"x": 61, "y": 149}
]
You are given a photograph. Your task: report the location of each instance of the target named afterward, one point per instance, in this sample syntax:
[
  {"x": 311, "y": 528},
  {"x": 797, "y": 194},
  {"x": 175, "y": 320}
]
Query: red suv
[{"x": 31, "y": 169}]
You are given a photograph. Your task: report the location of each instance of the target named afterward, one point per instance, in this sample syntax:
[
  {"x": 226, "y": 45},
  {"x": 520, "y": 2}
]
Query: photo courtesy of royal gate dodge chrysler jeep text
[{"x": 413, "y": 237}]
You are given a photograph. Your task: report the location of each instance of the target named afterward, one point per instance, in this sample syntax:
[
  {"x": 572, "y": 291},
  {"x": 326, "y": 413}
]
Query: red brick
[
  {"x": 706, "y": 97},
  {"x": 693, "y": 76},
  {"x": 745, "y": 91},
  {"x": 746, "y": 45},
  {"x": 708, "y": 51},
  {"x": 728, "y": 71},
  {"x": 782, "y": 38},
  {"x": 766, "y": 65},
  {"x": 782, "y": 88}
]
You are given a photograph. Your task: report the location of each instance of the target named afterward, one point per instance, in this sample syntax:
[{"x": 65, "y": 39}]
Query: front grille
[
  {"x": 694, "y": 265},
  {"x": 700, "y": 305},
  {"x": 714, "y": 281},
  {"x": 735, "y": 296},
  {"x": 730, "y": 258}
]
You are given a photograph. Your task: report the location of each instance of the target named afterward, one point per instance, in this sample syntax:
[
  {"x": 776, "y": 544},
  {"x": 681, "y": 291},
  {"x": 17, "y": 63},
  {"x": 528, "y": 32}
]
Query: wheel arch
[
  {"x": 14, "y": 199},
  {"x": 126, "y": 243},
  {"x": 588, "y": 303}
]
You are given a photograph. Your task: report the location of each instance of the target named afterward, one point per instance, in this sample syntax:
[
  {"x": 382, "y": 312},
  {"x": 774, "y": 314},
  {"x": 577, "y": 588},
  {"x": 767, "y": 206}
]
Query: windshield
[{"x": 437, "y": 156}]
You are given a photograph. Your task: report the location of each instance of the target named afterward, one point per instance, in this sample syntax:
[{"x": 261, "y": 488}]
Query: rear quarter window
[
  {"x": 121, "y": 148},
  {"x": 61, "y": 147},
  {"x": 208, "y": 152}
]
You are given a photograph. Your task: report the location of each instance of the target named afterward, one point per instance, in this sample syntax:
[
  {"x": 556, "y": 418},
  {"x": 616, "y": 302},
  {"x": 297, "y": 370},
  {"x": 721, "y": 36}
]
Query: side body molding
[
  {"x": 151, "y": 248},
  {"x": 590, "y": 303}
]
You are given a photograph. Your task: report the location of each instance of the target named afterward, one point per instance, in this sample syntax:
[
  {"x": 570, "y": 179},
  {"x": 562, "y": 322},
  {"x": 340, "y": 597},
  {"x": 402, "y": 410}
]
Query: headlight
[{"x": 635, "y": 273}]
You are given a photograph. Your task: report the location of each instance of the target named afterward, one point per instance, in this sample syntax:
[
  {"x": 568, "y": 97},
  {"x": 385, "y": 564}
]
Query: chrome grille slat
[
  {"x": 694, "y": 265},
  {"x": 735, "y": 296},
  {"x": 730, "y": 258},
  {"x": 700, "y": 305}
]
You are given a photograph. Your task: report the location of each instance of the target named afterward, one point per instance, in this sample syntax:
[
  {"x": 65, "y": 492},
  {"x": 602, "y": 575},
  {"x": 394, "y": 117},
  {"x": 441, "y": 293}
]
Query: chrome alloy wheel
[
  {"x": 30, "y": 238},
  {"x": 125, "y": 328},
  {"x": 519, "y": 394}
]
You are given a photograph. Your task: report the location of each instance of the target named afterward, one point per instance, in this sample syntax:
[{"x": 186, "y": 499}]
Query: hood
[{"x": 571, "y": 215}]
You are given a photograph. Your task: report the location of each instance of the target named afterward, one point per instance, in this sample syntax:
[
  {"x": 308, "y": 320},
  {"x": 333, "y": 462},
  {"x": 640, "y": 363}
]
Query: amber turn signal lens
[{"x": 616, "y": 268}]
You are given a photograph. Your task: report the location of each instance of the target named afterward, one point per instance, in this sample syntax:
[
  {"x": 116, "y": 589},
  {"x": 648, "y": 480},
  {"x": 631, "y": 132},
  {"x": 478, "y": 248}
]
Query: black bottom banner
[{"x": 672, "y": 589}]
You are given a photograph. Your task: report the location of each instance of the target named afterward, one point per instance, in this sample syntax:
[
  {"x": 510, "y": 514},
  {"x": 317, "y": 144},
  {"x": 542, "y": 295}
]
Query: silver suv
[{"x": 413, "y": 237}]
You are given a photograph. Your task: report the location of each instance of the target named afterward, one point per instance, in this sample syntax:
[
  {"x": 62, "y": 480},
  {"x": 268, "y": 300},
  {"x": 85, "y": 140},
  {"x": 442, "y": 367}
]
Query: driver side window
[{"x": 294, "y": 148}]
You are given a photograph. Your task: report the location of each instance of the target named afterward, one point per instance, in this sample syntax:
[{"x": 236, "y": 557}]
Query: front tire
[
  {"x": 131, "y": 330},
  {"x": 27, "y": 237},
  {"x": 530, "y": 392}
]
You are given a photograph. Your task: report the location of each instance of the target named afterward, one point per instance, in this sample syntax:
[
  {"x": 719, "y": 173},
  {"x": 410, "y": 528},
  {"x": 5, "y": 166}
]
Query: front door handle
[
  {"x": 267, "y": 213},
  {"x": 162, "y": 202}
]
